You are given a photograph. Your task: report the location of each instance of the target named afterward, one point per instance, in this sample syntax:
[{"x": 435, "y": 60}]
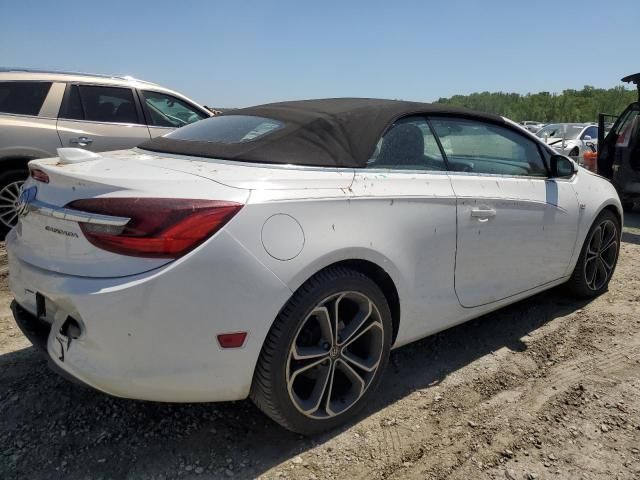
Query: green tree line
[{"x": 568, "y": 106}]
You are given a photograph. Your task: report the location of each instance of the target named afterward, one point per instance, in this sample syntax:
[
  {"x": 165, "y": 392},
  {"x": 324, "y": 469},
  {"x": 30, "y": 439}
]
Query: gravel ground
[{"x": 546, "y": 388}]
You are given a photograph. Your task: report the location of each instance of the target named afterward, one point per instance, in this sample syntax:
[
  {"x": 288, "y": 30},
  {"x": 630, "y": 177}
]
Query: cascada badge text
[{"x": 27, "y": 196}]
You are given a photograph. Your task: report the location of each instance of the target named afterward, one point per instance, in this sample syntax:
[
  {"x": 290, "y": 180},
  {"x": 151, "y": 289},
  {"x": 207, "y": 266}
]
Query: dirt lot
[{"x": 547, "y": 388}]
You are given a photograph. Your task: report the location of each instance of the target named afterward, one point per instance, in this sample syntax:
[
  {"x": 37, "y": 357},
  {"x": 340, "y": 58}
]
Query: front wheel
[
  {"x": 598, "y": 257},
  {"x": 325, "y": 353}
]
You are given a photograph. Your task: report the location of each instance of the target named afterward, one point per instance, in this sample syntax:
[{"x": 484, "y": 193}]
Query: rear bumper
[
  {"x": 38, "y": 333},
  {"x": 153, "y": 336}
]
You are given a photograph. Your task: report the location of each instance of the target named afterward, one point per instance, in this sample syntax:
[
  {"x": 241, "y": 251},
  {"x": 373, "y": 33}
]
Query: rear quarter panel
[
  {"x": 408, "y": 234},
  {"x": 27, "y": 137}
]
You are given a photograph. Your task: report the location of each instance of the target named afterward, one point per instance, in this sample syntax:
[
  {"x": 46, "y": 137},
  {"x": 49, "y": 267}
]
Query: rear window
[
  {"x": 226, "y": 129},
  {"x": 23, "y": 98}
]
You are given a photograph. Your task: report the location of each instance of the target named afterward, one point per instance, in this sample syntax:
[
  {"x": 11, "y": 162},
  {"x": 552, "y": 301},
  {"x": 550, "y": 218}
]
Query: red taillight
[
  {"x": 232, "y": 340},
  {"x": 159, "y": 227},
  {"x": 39, "y": 175}
]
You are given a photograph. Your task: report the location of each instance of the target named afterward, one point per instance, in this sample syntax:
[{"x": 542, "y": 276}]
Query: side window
[
  {"x": 167, "y": 111},
  {"x": 479, "y": 147},
  {"x": 23, "y": 98},
  {"x": 409, "y": 144},
  {"x": 100, "y": 104},
  {"x": 72, "y": 105},
  {"x": 624, "y": 131},
  {"x": 591, "y": 132}
]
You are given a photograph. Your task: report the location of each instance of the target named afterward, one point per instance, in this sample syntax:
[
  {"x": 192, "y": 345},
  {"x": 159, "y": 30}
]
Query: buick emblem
[
  {"x": 334, "y": 352},
  {"x": 27, "y": 196}
]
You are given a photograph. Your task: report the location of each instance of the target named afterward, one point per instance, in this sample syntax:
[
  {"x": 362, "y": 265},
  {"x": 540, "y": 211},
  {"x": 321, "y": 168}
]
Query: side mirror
[
  {"x": 562, "y": 167},
  {"x": 586, "y": 138}
]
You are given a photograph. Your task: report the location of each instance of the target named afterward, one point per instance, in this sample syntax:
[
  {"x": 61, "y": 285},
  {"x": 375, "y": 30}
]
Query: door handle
[
  {"x": 483, "y": 214},
  {"x": 81, "y": 141}
]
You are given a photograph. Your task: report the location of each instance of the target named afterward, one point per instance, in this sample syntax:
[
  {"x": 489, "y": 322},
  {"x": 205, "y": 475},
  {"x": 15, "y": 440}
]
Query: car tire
[
  {"x": 598, "y": 257},
  {"x": 574, "y": 152},
  {"x": 306, "y": 379},
  {"x": 10, "y": 183}
]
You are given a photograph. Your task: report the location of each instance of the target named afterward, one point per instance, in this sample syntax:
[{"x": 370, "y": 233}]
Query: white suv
[{"x": 42, "y": 111}]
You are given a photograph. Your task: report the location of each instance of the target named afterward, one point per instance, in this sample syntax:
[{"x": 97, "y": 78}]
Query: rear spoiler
[{"x": 635, "y": 79}]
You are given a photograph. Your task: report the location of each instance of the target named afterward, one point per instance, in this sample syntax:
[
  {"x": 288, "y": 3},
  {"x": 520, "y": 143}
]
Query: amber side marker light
[
  {"x": 591, "y": 161},
  {"x": 232, "y": 340}
]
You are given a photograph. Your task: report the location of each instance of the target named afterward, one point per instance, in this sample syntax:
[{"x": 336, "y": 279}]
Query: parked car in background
[
  {"x": 281, "y": 251},
  {"x": 532, "y": 126},
  {"x": 41, "y": 111},
  {"x": 571, "y": 139}
]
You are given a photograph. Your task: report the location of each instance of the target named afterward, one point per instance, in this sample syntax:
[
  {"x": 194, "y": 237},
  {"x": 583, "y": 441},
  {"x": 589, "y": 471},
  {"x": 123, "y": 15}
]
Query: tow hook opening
[{"x": 71, "y": 328}]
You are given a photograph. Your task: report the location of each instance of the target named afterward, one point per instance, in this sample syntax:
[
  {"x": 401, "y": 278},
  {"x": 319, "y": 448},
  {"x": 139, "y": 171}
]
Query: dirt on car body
[{"x": 546, "y": 388}]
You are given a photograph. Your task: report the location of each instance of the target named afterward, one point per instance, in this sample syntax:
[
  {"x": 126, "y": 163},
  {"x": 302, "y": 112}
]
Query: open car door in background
[{"x": 619, "y": 152}]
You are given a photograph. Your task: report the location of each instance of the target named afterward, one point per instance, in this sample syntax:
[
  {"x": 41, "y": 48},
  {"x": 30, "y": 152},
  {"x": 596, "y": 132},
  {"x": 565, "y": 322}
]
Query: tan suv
[{"x": 42, "y": 111}]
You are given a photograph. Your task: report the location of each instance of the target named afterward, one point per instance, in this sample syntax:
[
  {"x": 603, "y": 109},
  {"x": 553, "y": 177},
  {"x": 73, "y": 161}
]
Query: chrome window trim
[
  {"x": 62, "y": 213},
  {"x": 142, "y": 125},
  {"x": 407, "y": 171},
  {"x": 500, "y": 175},
  {"x": 27, "y": 116}
]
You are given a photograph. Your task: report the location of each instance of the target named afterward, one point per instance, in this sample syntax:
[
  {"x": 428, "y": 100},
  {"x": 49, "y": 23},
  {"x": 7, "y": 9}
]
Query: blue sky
[{"x": 238, "y": 53}]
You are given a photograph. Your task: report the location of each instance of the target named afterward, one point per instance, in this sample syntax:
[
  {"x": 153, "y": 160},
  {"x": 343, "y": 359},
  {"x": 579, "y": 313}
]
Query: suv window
[
  {"x": 100, "y": 104},
  {"x": 479, "y": 147},
  {"x": 409, "y": 144},
  {"x": 23, "y": 98},
  {"x": 167, "y": 111}
]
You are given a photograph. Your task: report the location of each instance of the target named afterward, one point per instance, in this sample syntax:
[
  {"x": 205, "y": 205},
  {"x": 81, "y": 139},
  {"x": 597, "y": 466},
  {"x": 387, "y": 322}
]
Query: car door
[
  {"x": 101, "y": 118},
  {"x": 405, "y": 193},
  {"x": 165, "y": 112},
  {"x": 517, "y": 227}
]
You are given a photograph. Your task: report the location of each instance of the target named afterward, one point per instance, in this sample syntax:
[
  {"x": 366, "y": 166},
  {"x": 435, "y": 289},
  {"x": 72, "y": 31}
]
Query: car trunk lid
[{"x": 57, "y": 243}]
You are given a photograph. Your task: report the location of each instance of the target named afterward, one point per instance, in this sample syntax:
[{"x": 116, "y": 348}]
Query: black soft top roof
[{"x": 336, "y": 132}]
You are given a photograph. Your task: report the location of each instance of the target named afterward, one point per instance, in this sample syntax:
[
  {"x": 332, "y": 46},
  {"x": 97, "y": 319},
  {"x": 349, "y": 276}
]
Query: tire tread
[{"x": 262, "y": 394}]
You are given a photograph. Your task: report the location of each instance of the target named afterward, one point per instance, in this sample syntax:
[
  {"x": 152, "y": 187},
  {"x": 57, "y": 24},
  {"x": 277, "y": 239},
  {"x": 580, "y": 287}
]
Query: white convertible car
[{"x": 280, "y": 251}]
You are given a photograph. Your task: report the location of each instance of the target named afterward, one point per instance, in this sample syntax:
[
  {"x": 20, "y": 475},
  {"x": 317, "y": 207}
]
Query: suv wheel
[{"x": 10, "y": 183}]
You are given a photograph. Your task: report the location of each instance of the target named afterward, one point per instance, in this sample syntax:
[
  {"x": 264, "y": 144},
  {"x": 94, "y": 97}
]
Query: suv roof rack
[{"x": 60, "y": 72}]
